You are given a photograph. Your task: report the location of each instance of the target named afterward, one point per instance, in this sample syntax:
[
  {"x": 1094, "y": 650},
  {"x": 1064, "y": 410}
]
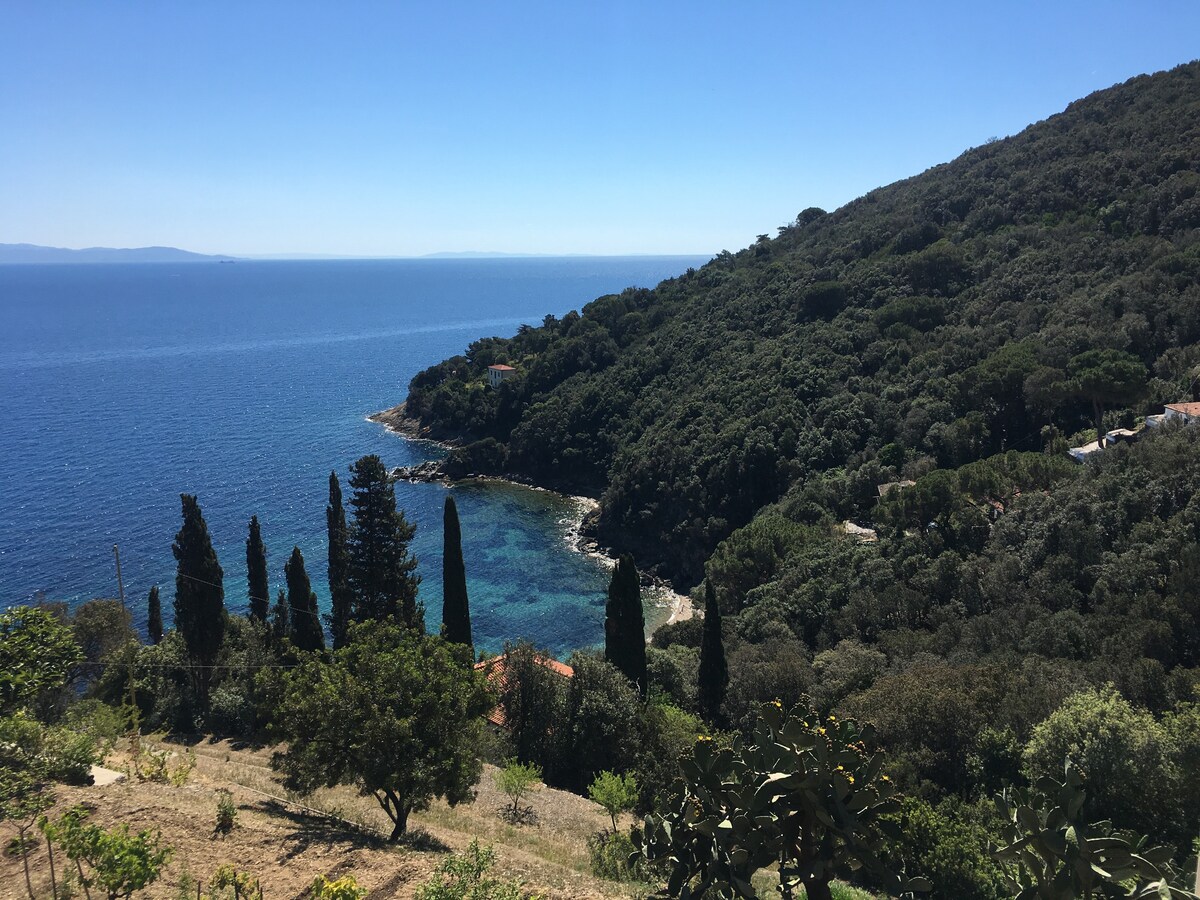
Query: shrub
[
  {"x": 226, "y": 812},
  {"x": 613, "y": 858},
  {"x": 461, "y": 876},
  {"x": 345, "y": 888},
  {"x": 231, "y": 884},
  {"x": 616, "y": 793},
  {"x": 119, "y": 862},
  {"x": 516, "y": 781}
]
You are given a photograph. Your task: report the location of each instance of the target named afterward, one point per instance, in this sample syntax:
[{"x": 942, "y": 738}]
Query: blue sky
[{"x": 558, "y": 127}]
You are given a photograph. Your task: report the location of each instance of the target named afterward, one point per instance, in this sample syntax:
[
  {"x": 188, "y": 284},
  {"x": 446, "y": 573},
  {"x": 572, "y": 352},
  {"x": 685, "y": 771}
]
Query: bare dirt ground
[{"x": 286, "y": 847}]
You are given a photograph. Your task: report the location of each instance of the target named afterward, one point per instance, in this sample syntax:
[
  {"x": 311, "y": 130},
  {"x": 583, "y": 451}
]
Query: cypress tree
[
  {"x": 714, "y": 674},
  {"x": 154, "y": 616},
  {"x": 279, "y": 619},
  {"x": 340, "y": 597},
  {"x": 199, "y": 595},
  {"x": 306, "y": 631},
  {"x": 625, "y": 623},
  {"x": 456, "y": 611},
  {"x": 381, "y": 574},
  {"x": 256, "y": 573}
]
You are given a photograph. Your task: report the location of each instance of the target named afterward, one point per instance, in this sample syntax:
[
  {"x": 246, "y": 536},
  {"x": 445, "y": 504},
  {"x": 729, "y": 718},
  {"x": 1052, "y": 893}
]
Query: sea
[{"x": 124, "y": 385}]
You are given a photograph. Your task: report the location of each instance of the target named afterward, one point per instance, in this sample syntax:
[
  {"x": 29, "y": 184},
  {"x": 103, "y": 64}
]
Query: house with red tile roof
[
  {"x": 499, "y": 373},
  {"x": 496, "y": 670}
]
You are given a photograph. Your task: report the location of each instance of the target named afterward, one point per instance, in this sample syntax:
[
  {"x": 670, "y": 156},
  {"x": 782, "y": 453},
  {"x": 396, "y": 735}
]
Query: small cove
[{"x": 122, "y": 386}]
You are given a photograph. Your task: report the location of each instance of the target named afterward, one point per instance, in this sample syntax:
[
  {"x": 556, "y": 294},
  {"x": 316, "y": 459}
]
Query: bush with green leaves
[
  {"x": 226, "y": 812},
  {"x": 463, "y": 876},
  {"x": 38, "y": 651},
  {"x": 615, "y": 858},
  {"x": 616, "y": 793},
  {"x": 344, "y": 888},
  {"x": 804, "y": 793},
  {"x": 232, "y": 883},
  {"x": 118, "y": 862},
  {"x": 516, "y": 781},
  {"x": 1050, "y": 851}
]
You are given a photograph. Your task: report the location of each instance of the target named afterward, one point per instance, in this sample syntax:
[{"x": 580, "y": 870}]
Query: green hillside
[{"x": 929, "y": 323}]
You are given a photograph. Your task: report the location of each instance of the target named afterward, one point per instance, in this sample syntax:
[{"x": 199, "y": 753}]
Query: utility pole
[{"x": 120, "y": 584}]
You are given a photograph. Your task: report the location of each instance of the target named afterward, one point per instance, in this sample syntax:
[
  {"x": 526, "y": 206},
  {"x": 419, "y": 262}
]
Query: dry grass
[{"x": 287, "y": 846}]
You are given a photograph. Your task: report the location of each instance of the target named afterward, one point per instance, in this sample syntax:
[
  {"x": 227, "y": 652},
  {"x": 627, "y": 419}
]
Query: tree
[
  {"x": 256, "y": 573},
  {"x": 532, "y": 698},
  {"x": 101, "y": 627},
  {"x": 381, "y": 574},
  {"x": 154, "y": 623},
  {"x": 37, "y": 653},
  {"x": 1125, "y": 753},
  {"x": 602, "y": 725},
  {"x": 280, "y": 619},
  {"x": 515, "y": 781},
  {"x": 456, "y": 612},
  {"x": 341, "y": 599},
  {"x": 306, "y": 632},
  {"x": 199, "y": 595},
  {"x": 395, "y": 713},
  {"x": 1106, "y": 377},
  {"x": 714, "y": 673},
  {"x": 625, "y": 623},
  {"x": 616, "y": 793}
]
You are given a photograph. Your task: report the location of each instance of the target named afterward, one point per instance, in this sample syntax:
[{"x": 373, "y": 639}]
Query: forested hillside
[{"x": 997, "y": 302}]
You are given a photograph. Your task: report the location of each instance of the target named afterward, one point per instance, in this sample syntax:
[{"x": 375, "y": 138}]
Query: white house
[
  {"x": 497, "y": 374},
  {"x": 1180, "y": 412}
]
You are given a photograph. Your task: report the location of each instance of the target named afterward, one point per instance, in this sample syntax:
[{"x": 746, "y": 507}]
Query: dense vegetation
[
  {"x": 958, "y": 330},
  {"x": 932, "y": 322}
]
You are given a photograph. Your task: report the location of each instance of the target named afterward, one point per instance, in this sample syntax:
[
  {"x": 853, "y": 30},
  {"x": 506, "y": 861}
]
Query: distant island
[{"x": 32, "y": 253}]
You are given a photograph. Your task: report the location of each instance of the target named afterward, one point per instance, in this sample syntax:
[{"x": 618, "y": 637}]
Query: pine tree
[
  {"x": 381, "y": 574},
  {"x": 714, "y": 674},
  {"x": 456, "y": 611},
  {"x": 340, "y": 597},
  {"x": 280, "y": 620},
  {"x": 199, "y": 596},
  {"x": 625, "y": 623},
  {"x": 154, "y": 616},
  {"x": 256, "y": 573},
  {"x": 306, "y": 631}
]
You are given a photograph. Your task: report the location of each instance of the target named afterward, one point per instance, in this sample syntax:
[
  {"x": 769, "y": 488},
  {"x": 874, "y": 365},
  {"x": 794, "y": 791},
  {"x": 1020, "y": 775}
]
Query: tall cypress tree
[
  {"x": 340, "y": 597},
  {"x": 280, "y": 620},
  {"x": 306, "y": 632},
  {"x": 713, "y": 677},
  {"x": 381, "y": 574},
  {"x": 256, "y": 573},
  {"x": 199, "y": 595},
  {"x": 456, "y": 612},
  {"x": 154, "y": 616},
  {"x": 625, "y": 623}
]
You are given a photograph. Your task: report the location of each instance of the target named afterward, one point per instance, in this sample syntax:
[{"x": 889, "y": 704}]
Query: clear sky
[{"x": 559, "y": 127}]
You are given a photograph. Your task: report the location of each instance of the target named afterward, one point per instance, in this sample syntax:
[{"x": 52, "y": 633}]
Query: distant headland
[{"x": 32, "y": 253}]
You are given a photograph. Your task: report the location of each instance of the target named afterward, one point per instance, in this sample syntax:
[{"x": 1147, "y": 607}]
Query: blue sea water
[{"x": 122, "y": 386}]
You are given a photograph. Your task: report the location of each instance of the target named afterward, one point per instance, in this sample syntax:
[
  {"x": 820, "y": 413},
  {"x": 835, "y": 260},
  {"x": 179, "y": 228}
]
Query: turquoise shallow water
[{"x": 122, "y": 386}]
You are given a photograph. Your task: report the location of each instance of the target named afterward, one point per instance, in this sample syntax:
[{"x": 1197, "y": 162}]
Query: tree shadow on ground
[{"x": 312, "y": 829}]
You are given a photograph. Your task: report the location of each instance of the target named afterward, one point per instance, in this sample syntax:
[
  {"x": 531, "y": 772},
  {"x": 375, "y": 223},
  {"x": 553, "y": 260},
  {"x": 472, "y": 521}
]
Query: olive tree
[{"x": 395, "y": 712}]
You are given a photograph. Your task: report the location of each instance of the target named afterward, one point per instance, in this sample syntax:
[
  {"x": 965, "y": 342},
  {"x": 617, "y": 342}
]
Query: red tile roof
[
  {"x": 503, "y": 368},
  {"x": 1188, "y": 409},
  {"x": 497, "y": 675}
]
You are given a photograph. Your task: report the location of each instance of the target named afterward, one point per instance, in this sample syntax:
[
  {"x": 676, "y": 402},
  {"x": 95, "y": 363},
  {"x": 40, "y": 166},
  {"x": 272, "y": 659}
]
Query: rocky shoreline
[{"x": 433, "y": 471}]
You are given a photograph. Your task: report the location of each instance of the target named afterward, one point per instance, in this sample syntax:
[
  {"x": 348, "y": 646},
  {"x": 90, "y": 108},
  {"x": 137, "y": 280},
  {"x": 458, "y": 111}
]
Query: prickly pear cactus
[
  {"x": 1051, "y": 854},
  {"x": 804, "y": 793}
]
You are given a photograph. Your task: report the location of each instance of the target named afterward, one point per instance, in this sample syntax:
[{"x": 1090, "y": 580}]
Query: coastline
[{"x": 658, "y": 590}]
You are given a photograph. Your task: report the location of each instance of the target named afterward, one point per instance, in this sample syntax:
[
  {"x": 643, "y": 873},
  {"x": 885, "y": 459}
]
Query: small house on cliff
[{"x": 499, "y": 373}]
